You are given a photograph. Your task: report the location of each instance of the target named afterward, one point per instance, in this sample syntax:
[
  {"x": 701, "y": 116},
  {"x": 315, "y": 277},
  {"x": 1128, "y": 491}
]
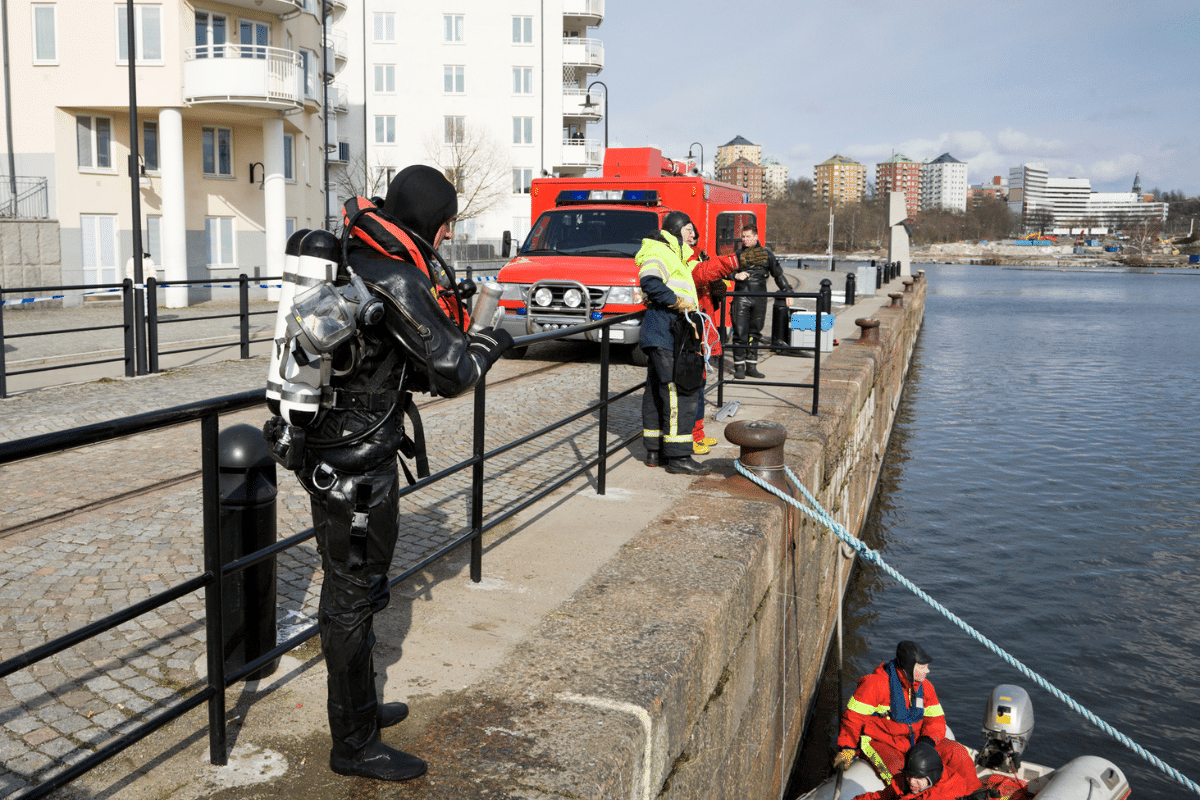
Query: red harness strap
[{"x": 374, "y": 229}]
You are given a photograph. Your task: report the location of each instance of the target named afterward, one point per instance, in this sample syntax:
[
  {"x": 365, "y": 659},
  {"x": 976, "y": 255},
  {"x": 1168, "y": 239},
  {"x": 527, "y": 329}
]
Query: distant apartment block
[
  {"x": 735, "y": 148},
  {"x": 900, "y": 174},
  {"x": 840, "y": 180},
  {"x": 775, "y": 178},
  {"x": 944, "y": 184},
  {"x": 1068, "y": 205},
  {"x": 997, "y": 189},
  {"x": 744, "y": 173}
]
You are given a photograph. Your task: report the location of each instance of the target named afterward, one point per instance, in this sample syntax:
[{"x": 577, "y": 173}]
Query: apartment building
[
  {"x": 775, "y": 178},
  {"x": 1027, "y": 194},
  {"x": 744, "y": 173},
  {"x": 735, "y": 148},
  {"x": 944, "y": 184},
  {"x": 229, "y": 129},
  {"x": 996, "y": 190},
  {"x": 840, "y": 180},
  {"x": 493, "y": 92},
  {"x": 900, "y": 174}
]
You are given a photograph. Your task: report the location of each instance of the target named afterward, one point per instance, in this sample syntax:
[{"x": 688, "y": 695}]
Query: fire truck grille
[{"x": 597, "y": 295}]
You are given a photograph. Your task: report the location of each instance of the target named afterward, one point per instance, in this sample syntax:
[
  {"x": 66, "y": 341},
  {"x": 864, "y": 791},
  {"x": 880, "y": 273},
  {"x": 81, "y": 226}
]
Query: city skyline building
[
  {"x": 900, "y": 174},
  {"x": 1069, "y": 206},
  {"x": 943, "y": 184},
  {"x": 735, "y": 148},
  {"x": 775, "y": 178},
  {"x": 839, "y": 179},
  {"x": 744, "y": 173}
]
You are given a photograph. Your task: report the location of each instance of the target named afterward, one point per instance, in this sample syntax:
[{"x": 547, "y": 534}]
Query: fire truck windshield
[{"x": 591, "y": 232}]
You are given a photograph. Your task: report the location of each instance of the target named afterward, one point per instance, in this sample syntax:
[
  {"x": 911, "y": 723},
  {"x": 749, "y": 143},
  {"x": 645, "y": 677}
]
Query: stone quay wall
[
  {"x": 29, "y": 257},
  {"x": 686, "y": 666}
]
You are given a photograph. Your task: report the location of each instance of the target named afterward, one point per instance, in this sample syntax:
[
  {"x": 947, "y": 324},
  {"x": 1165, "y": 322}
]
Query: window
[
  {"x": 254, "y": 38},
  {"x": 147, "y": 30},
  {"x": 98, "y": 234},
  {"x": 94, "y": 135},
  {"x": 152, "y": 241},
  {"x": 385, "y": 26},
  {"x": 522, "y": 130},
  {"x": 385, "y": 130},
  {"x": 383, "y": 177},
  {"x": 211, "y": 35},
  {"x": 289, "y": 226},
  {"x": 522, "y": 80},
  {"x": 289, "y": 157},
  {"x": 522, "y": 30},
  {"x": 385, "y": 78},
  {"x": 150, "y": 146},
  {"x": 453, "y": 80},
  {"x": 308, "y": 74},
  {"x": 453, "y": 28},
  {"x": 218, "y": 152},
  {"x": 522, "y": 177},
  {"x": 219, "y": 233},
  {"x": 45, "y": 35},
  {"x": 454, "y": 128}
]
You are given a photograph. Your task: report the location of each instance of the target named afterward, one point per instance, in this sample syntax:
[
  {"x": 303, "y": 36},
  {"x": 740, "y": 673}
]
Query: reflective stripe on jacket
[
  {"x": 667, "y": 261},
  {"x": 866, "y": 714}
]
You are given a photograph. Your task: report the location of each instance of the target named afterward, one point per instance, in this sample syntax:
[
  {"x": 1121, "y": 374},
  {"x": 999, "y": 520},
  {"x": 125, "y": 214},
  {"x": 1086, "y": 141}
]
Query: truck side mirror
[{"x": 506, "y": 245}]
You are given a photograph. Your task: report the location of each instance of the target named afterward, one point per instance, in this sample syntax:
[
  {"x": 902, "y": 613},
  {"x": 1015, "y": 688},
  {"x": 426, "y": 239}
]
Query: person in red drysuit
[
  {"x": 709, "y": 274},
  {"x": 891, "y": 707},
  {"x": 941, "y": 772}
]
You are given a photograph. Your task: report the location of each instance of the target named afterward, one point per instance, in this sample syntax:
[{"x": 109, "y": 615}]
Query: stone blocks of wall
[{"x": 29, "y": 257}]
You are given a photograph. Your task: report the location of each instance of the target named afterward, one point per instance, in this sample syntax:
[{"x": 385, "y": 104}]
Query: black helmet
[
  {"x": 922, "y": 761},
  {"x": 674, "y": 223},
  {"x": 909, "y": 654}
]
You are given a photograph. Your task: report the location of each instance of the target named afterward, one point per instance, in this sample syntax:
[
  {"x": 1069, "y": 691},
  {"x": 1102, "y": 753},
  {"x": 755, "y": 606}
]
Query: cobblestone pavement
[{"x": 73, "y": 554}]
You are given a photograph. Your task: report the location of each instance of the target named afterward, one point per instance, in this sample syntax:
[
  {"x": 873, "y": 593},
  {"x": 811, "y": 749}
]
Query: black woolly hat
[
  {"x": 909, "y": 654},
  {"x": 421, "y": 198}
]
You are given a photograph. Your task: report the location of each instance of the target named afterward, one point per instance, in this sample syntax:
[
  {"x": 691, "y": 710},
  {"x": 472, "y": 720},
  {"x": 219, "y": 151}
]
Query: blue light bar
[
  {"x": 641, "y": 196},
  {"x": 568, "y": 195}
]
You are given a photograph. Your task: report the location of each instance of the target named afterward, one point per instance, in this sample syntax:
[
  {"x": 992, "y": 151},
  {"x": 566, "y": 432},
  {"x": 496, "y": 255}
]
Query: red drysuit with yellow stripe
[{"x": 867, "y": 728}]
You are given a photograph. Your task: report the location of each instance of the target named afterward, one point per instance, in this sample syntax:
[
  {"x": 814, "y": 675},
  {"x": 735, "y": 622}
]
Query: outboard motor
[{"x": 1007, "y": 727}]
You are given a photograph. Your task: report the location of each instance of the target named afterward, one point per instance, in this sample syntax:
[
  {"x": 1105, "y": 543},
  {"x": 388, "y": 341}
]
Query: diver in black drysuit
[
  {"x": 417, "y": 348},
  {"x": 749, "y": 314}
]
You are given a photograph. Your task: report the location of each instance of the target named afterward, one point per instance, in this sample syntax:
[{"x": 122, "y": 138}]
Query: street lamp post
[
  {"x": 587, "y": 103},
  {"x": 689, "y": 155}
]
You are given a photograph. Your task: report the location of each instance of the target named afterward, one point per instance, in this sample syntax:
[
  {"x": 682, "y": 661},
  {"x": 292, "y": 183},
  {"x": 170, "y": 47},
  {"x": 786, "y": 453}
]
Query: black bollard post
[
  {"x": 247, "y": 510},
  {"x": 878, "y": 277},
  {"x": 851, "y": 285},
  {"x": 780, "y": 323},
  {"x": 825, "y": 301}
]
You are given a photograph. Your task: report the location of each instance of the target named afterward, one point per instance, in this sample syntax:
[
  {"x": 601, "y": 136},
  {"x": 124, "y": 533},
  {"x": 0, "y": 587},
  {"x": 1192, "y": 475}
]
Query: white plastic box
[
  {"x": 864, "y": 281},
  {"x": 804, "y": 326}
]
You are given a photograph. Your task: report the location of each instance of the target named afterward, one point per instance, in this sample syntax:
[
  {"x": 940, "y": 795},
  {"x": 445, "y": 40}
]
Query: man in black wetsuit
[
  {"x": 350, "y": 466},
  {"x": 749, "y": 313}
]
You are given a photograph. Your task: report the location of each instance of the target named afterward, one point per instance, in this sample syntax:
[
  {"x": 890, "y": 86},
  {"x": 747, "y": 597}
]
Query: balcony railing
[
  {"x": 339, "y": 98},
  {"x": 586, "y": 54},
  {"x": 587, "y": 153},
  {"x": 23, "y": 197},
  {"x": 277, "y": 7},
  {"x": 591, "y": 11},
  {"x": 265, "y": 77},
  {"x": 573, "y": 104}
]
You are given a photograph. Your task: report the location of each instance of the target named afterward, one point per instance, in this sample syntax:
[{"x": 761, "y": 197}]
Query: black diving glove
[{"x": 490, "y": 343}]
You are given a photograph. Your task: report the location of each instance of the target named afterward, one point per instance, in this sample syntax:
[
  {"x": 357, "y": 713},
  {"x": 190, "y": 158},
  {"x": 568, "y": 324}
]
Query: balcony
[
  {"x": 336, "y": 48},
  {"x": 580, "y": 154},
  {"x": 339, "y": 153},
  {"x": 573, "y": 104},
  {"x": 339, "y": 98},
  {"x": 583, "y": 54},
  {"x": 337, "y": 9},
  {"x": 276, "y": 7},
  {"x": 587, "y": 12},
  {"x": 250, "y": 75}
]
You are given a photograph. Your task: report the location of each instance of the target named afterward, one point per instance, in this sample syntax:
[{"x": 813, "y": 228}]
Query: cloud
[
  {"x": 1026, "y": 146},
  {"x": 1123, "y": 166}
]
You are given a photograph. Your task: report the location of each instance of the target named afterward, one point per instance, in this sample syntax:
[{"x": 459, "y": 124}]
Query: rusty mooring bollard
[
  {"x": 870, "y": 330},
  {"x": 908, "y": 284},
  {"x": 762, "y": 443},
  {"x": 897, "y": 300},
  {"x": 920, "y": 274}
]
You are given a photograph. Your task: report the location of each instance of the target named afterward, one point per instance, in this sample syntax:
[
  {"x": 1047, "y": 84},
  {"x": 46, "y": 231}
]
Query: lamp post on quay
[
  {"x": 689, "y": 155},
  {"x": 587, "y": 103}
]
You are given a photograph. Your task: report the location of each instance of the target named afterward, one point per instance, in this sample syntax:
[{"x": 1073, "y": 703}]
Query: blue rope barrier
[{"x": 822, "y": 516}]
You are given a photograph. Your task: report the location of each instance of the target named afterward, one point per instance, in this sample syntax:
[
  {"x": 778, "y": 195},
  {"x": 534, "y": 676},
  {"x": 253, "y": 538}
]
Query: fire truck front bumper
[{"x": 523, "y": 325}]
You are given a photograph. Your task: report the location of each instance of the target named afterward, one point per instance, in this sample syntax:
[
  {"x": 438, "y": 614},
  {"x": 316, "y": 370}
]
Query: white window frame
[
  {"x": 385, "y": 129},
  {"x": 102, "y": 230},
  {"x": 523, "y": 81},
  {"x": 455, "y": 77},
  {"x": 384, "y": 26},
  {"x": 383, "y": 177},
  {"x": 152, "y": 240},
  {"x": 522, "y": 130},
  {"x": 53, "y": 9},
  {"x": 385, "y": 78},
  {"x": 222, "y": 227},
  {"x": 217, "y": 174},
  {"x": 210, "y": 48},
  {"x": 453, "y": 28},
  {"x": 522, "y": 179},
  {"x": 289, "y": 157},
  {"x": 310, "y": 81},
  {"x": 94, "y": 151},
  {"x": 453, "y": 128},
  {"x": 522, "y": 31},
  {"x": 140, "y": 12}
]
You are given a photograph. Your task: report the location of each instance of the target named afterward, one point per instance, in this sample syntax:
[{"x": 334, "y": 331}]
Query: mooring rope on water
[{"x": 819, "y": 514}]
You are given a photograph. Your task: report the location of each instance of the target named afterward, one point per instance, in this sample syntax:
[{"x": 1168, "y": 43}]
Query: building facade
[
  {"x": 744, "y": 173},
  {"x": 840, "y": 180},
  {"x": 944, "y": 184},
  {"x": 900, "y": 174},
  {"x": 775, "y": 179},
  {"x": 1027, "y": 195},
  {"x": 1069, "y": 206},
  {"x": 493, "y": 92},
  {"x": 229, "y": 129},
  {"x": 735, "y": 148},
  {"x": 997, "y": 189}
]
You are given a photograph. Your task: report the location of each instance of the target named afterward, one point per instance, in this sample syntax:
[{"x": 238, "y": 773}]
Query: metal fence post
[
  {"x": 244, "y": 313},
  {"x": 477, "y": 481},
  {"x": 130, "y": 322},
  {"x": 3, "y": 366},
  {"x": 152, "y": 323},
  {"x": 602, "y": 470},
  {"x": 213, "y": 594}
]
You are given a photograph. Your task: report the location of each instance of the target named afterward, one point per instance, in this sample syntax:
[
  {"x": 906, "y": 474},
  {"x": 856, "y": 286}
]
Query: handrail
[{"x": 246, "y": 51}]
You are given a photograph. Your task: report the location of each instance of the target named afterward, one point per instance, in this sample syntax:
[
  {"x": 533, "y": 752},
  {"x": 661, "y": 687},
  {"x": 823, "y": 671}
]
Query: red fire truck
[{"x": 576, "y": 265}]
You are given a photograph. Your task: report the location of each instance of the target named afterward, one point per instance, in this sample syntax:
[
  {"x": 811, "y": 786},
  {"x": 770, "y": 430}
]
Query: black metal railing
[
  {"x": 824, "y": 306},
  {"x": 212, "y": 578},
  {"x": 24, "y": 197}
]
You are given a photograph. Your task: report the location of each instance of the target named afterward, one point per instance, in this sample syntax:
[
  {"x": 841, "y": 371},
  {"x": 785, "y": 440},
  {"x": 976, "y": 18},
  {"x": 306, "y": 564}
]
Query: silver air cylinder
[
  {"x": 484, "y": 314},
  {"x": 291, "y": 260},
  {"x": 296, "y": 376}
]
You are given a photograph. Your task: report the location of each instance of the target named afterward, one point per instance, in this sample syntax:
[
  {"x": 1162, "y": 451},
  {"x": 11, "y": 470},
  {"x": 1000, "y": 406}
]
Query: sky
[{"x": 1091, "y": 88}]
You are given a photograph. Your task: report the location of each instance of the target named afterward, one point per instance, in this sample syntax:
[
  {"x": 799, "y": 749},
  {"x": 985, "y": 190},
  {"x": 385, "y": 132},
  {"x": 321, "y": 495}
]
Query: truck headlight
[
  {"x": 513, "y": 291},
  {"x": 625, "y": 295},
  {"x": 543, "y": 297},
  {"x": 572, "y": 298}
]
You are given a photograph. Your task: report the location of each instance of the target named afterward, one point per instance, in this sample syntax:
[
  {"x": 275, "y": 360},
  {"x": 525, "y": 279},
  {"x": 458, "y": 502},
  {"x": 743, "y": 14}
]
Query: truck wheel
[
  {"x": 516, "y": 352},
  {"x": 638, "y": 357}
]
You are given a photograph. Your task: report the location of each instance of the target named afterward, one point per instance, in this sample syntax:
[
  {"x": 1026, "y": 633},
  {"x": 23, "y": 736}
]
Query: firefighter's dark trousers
[
  {"x": 749, "y": 314},
  {"x": 668, "y": 415},
  {"x": 355, "y": 588}
]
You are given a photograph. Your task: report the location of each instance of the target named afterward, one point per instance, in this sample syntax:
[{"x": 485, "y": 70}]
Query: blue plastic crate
[{"x": 802, "y": 321}]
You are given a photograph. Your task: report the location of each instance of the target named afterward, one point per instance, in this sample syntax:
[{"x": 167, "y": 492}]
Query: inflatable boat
[{"x": 1007, "y": 727}]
